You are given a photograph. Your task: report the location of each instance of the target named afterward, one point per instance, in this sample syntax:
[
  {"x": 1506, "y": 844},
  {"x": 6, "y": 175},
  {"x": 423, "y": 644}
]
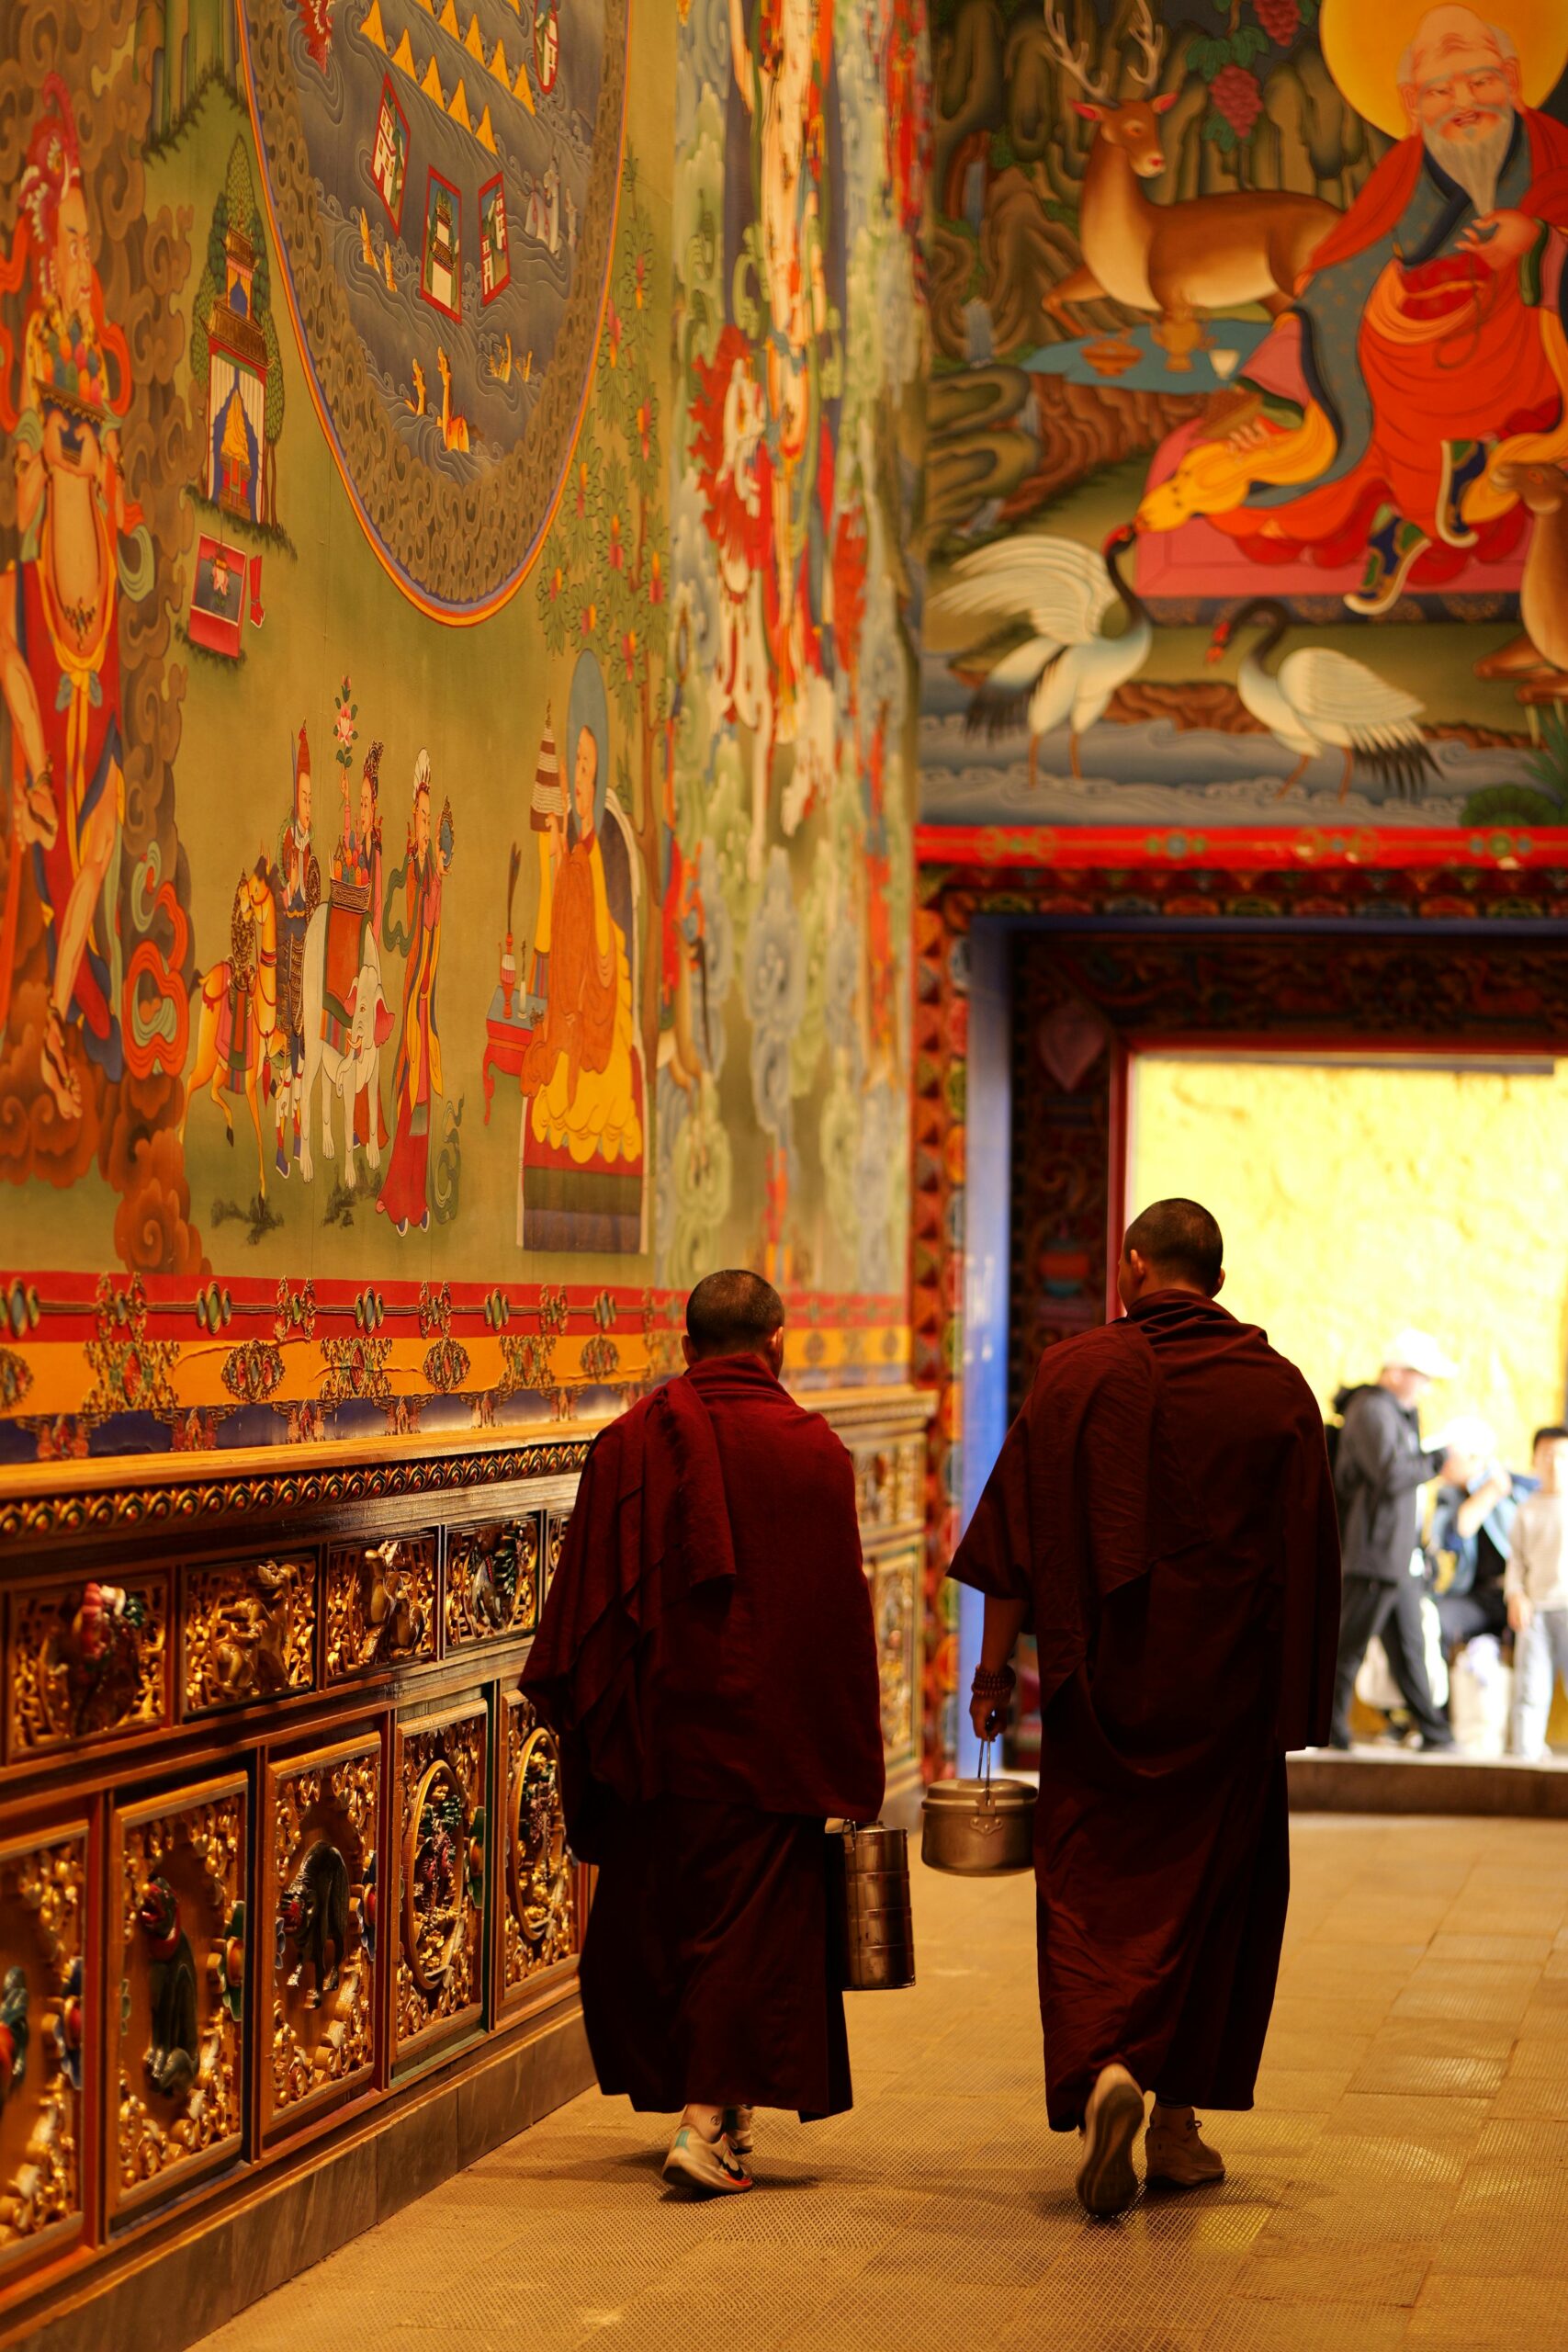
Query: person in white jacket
[{"x": 1535, "y": 1584}]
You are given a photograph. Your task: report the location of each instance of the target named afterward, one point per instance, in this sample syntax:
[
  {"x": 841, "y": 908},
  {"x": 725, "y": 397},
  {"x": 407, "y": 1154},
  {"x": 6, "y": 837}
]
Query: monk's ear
[
  {"x": 1219, "y": 1285},
  {"x": 688, "y": 1350}
]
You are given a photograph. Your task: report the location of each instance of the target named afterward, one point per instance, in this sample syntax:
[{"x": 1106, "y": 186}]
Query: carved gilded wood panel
[
  {"x": 380, "y": 1606},
  {"x": 318, "y": 1929},
  {"x": 247, "y": 1631},
  {"x": 555, "y": 1537},
  {"x": 443, "y": 1775},
  {"x": 86, "y": 1661},
  {"x": 493, "y": 1579},
  {"x": 894, "y": 1586},
  {"x": 539, "y": 1916},
  {"x": 175, "y": 2100},
  {"x": 43, "y": 2047}
]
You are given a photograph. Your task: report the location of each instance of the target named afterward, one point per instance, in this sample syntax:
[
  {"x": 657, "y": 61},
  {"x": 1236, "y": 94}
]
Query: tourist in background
[
  {"x": 1536, "y": 1583},
  {"x": 1378, "y": 1465},
  {"x": 1472, "y": 1522}
]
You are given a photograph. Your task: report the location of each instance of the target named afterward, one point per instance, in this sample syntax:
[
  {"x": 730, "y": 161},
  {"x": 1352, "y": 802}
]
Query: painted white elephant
[{"x": 348, "y": 1073}]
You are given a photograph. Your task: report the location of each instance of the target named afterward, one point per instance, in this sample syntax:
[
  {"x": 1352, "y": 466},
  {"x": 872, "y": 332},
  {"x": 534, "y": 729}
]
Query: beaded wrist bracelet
[{"x": 992, "y": 1682}]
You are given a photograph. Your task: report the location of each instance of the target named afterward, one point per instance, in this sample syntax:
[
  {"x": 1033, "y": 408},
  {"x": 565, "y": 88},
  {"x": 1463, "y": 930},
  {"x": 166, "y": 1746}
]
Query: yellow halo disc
[{"x": 1362, "y": 46}]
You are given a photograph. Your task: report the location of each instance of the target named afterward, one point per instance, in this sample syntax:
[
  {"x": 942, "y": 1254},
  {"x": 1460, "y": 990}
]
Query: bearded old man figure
[
  {"x": 706, "y": 1656},
  {"x": 1426, "y": 344},
  {"x": 1162, "y": 1514}
]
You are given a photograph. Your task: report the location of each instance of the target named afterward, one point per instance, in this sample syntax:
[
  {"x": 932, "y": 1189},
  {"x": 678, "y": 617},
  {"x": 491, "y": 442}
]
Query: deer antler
[
  {"x": 1151, "y": 43},
  {"x": 1073, "y": 61}
]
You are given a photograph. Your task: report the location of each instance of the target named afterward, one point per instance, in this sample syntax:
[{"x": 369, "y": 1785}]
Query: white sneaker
[
  {"x": 737, "y": 2130},
  {"x": 708, "y": 2167},
  {"x": 1107, "y": 2183}
]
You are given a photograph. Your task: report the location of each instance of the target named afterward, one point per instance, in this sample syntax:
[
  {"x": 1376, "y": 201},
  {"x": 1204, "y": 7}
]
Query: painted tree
[{"x": 604, "y": 578}]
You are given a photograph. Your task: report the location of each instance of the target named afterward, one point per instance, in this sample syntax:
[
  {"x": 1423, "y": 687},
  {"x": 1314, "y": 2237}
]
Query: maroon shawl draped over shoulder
[
  {"x": 708, "y": 1632},
  {"x": 1163, "y": 1501}
]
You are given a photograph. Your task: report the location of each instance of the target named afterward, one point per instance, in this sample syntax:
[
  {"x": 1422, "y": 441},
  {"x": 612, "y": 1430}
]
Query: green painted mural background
[{"x": 539, "y": 1139}]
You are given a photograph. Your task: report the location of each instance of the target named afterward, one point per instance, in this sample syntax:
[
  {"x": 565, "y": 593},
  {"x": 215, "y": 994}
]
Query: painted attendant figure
[
  {"x": 707, "y": 1658},
  {"x": 1162, "y": 1513},
  {"x": 60, "y": 606},
  {"x": 298, "y": 891},
  {"x": 416, "y": 1081}
]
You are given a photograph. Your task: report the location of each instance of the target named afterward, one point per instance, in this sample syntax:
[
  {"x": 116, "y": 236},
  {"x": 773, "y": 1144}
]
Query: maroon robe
[
  {"x": 1164, "y": 1503},
  {"x": 707, "y": 1658}
]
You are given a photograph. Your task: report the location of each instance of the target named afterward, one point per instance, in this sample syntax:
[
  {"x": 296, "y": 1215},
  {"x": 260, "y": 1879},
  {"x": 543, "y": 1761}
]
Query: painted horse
[{"x": 238, "y": 1026}]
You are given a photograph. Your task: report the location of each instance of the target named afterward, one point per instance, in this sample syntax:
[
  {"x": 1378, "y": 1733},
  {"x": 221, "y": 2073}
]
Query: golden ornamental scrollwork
[
  {"x": 909, "y": 1506},
  {"x": 556, "y": 1523},
  {"x": 87, "y": 1663},
  {"x": 36, "y": 1517},
  {"x": 875, "y": 1485},
  {"x": 893, "y": 1584},
  {"x": 441, "y": 1899},
  {"x": 492, "y": 1580},
  {"x": 380, "y": 1605},
  {"x": 250, "y": 1632},
  {"x": 539, "y": 1924},
  {"x": 42, "y": 2038},
  {"x": 323, "y": 1899},
  {"x": 182, "y": 1936}
]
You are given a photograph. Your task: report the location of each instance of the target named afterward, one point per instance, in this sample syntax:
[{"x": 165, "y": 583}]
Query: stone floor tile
[
  {"x": 1502, "y": 2307},
  {"x": 1399, "y": 2178},
  {"x": 1383, "y": 2271}
]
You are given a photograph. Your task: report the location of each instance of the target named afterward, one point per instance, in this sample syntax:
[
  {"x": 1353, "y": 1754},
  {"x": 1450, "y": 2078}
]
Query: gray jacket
[{"x": 1379, "y": 1463}]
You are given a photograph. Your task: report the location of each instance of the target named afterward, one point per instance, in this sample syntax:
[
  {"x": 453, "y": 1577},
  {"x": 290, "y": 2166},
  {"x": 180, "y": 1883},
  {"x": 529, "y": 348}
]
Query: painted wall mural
[
  {"x": 458, "y": 706},
  {"x": 1250, "y": 416}
]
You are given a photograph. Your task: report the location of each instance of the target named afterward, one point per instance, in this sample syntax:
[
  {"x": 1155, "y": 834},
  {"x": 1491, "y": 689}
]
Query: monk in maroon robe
[
  {"x": 707, "y": 1658},
  {"x": 1162, "y": 1514}
]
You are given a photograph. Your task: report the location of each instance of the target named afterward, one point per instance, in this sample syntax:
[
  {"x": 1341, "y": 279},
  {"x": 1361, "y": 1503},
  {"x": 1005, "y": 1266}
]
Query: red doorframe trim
[{"x": 1176, "y": 884}]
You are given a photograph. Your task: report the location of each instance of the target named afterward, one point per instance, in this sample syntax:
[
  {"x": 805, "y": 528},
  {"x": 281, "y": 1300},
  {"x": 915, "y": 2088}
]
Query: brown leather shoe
[
  {"x": 1107, "y": 2183},
  {"x": 1176, "y": 2157}
]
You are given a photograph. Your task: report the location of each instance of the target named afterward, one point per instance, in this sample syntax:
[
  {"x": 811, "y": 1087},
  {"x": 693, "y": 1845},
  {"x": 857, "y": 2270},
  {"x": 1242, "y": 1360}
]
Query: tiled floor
[{"x": 1404, "y": 2181}]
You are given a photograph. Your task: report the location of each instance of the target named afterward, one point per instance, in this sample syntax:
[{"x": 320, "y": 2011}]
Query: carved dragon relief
[
  {"x": 323, "y": 1870},
  {"x": 539, "y": 1923},
  {"x": 182, "y": 1933},
  {"x": 492, "y": 1580},
  {"x": 441, "y": 1905},
  {"x": 42, "y": 1900},
  {"x": 86, "y": 1662}
]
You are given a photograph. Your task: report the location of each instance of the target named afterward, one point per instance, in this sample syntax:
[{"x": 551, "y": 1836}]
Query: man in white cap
[{"x": 1379, "y": 1466}]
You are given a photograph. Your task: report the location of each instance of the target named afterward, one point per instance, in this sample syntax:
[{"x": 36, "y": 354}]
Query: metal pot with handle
[{"x": 981, "y": 1828}]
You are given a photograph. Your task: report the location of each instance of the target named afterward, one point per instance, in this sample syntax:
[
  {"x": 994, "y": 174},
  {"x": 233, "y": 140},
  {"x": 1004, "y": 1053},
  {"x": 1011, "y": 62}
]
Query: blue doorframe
[{"x": 988, "y": 1260}]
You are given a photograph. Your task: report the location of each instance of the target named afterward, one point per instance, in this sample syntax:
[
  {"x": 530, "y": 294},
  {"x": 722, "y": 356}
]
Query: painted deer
[
  {"x": 1536, "y": 664},
  {"x": 1204, "y": 253}
]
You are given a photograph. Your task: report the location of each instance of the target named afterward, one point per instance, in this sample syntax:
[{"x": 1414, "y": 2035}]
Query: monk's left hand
[
  {"x": 987, "y": 1717},
  {"x": 1502, "y": 239}
]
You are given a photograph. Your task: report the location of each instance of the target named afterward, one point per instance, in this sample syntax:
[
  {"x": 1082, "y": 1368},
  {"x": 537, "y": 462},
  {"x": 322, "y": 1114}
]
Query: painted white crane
[
  {"x": 1318, "y": 700},
  {"x": 1067, "y": 670}
]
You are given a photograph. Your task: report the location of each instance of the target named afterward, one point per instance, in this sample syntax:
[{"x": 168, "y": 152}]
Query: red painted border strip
[{"x": 1239, "y": 849}]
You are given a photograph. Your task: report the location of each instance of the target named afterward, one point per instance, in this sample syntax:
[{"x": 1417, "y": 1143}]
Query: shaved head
[
  {"x": 731, "y": 1314},
  {"x": 1180, "y": 1243}
]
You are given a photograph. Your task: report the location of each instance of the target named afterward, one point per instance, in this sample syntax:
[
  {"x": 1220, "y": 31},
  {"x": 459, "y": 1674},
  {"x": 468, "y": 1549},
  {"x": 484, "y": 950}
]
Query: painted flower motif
[
  {"x": 656, "y": 579},
  {"x": 643, "y": 427},
  {"x": 628, "y": 654}
]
